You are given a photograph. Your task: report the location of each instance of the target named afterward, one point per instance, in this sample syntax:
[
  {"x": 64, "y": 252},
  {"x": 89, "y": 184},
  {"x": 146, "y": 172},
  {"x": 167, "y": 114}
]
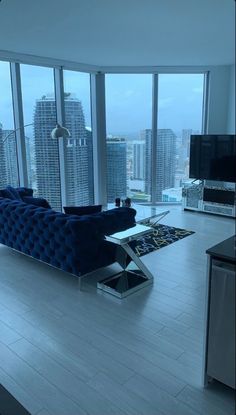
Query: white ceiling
[{"x": 121, "y": 32}]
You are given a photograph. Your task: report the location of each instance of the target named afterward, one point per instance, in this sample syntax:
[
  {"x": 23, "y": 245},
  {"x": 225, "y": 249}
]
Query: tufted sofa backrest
[{"x": 72, "y": 243}]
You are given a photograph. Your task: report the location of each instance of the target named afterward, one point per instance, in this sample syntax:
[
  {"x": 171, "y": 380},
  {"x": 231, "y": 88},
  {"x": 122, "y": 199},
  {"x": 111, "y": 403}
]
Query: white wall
[
  {"x": 219, "y": 100},
  {"x": 231, "y": 105}
]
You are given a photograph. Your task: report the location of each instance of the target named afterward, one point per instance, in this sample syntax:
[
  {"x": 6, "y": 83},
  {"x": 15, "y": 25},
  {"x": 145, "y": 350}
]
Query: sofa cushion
[
  {"x": 24, "y": 191},
  {"x": 14, "y": 192},
  {"x": 37, "y": 201},
  {"x": 4, "y": 194},
  {"x": 10, "y": 193},
  {"x": 82, "y": 210}
]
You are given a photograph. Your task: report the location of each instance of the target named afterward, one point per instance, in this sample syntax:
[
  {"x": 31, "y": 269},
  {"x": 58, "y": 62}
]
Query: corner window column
[
  {"x": 99, "y": 138},
  {"x": 154, "y": 137},
  {"x": 60, "y": 111},
  {"x": 19, "y": 123}
]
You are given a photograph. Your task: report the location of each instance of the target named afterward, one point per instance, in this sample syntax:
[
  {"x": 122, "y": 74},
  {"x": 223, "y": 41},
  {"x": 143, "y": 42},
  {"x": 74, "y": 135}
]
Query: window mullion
[
  {"x": 99, "y": 138},
  {"x": 19, "y": 123},
  {"x": 154, "y": 137},
  {"x": 205, "y": 104},
  {"x": 60, "y": 111}
]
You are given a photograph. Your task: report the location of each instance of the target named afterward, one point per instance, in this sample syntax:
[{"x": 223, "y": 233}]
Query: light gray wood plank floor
[{"x": 65, "y": 352}]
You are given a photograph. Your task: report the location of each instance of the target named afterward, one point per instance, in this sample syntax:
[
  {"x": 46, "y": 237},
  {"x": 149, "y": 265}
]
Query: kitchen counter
[
  {"x": 226, "y": 250},
  {"x": 219, "y": 335}
]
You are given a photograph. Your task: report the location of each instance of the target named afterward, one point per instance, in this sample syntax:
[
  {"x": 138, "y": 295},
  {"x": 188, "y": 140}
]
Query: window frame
[{"x": 97, "y": 91}]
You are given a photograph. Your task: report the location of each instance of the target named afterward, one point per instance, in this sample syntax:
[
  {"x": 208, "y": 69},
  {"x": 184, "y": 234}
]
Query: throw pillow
[
  {"x": 5, "y": 193},
  {"x": 37, "y": 201},
  {"x": 2, "y": 193},
  {"x": 82, "y": 210},
  {"x": 14, "y": 193},
  {"x": 24, "y": 191},
  {"x": 10, "y": 193}
]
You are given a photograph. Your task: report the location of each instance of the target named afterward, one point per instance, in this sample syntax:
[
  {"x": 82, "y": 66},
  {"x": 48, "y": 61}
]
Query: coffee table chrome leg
[
  {"x": 137, "y": 261},
  {"x": 151, "y": 221},
  {"x": 128, "y": 280}
]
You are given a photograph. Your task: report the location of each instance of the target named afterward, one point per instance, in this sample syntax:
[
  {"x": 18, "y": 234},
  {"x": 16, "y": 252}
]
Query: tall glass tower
[
  {"x": 3, "y": 178},
  {"x": 76, "y": 152},
  {"x": 138, "y": 159},
  {"x": 116, "y": 168},
  {"x": 166, "y": 163},
  {"x": 8, "y": 150},
  {"x": 46, "y": 151}
]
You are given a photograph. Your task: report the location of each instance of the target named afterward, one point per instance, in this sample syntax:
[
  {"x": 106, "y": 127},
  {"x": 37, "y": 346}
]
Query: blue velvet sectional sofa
[{"x": 72, "y": 243}]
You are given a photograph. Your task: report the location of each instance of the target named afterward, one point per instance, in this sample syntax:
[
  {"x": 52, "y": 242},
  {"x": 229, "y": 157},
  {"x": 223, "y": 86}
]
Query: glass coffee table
[{"x": 134, "y": 274}]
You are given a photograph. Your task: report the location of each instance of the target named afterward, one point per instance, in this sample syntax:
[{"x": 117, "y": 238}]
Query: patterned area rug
[{"x": 161, "y": 236}]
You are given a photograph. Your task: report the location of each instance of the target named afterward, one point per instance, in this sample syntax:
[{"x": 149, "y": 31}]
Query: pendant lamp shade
[{"x": 60, "y": 132}]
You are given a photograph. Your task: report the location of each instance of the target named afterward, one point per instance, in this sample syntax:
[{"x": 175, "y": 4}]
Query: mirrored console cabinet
[{"x": 209, "y": 197}]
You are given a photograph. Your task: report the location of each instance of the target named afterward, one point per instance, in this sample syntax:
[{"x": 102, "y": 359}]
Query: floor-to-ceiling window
[
  {"x": 141, "y": 164},
  {"x": 79, "y": 147},
  {"x": 129, "y": 112},
  {"x": 180, "y": 107},
  {"x": 8, "y": 149},
  {"x": 128, "y": 116},
  {"x": 39, "y": 109}
]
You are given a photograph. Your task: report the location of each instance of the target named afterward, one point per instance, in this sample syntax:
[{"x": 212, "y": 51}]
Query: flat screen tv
[{"x": 213, "y": 157}]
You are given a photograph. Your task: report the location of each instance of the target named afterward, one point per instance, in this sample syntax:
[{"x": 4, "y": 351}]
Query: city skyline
[
  {"x": 128, "y": 114},
  {"x": 124, "y": 162}
]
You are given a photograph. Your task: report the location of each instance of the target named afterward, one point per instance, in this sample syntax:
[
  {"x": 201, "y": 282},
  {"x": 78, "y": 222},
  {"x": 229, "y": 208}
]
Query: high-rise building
[
  {"x": 77, "y": 154},
  {"x": 138, "y": 159},
  {"x": 3, "y": 178},
  {"x": 90, "y": 164},
  {"x": 116, "y": 168},
  {"x": 129, "y": 159},
  {"x": 146, "y": 136},
  {"x": 30, "y": 159},
  {"x": 10, "y": 155},
  {"x": 46, "y": 151},
  {"x": 186, "y": 133},
  {"x": 166, "y": 163},
  {"x": 47, "y": 154}
]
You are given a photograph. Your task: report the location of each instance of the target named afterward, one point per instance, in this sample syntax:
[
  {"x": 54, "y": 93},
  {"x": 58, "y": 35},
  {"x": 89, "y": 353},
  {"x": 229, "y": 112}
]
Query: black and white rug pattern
[{"x": 161, "y": 236}]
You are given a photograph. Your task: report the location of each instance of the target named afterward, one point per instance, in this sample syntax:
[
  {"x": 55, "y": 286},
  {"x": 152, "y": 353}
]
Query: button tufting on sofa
[{"x": 72, "y": 243}]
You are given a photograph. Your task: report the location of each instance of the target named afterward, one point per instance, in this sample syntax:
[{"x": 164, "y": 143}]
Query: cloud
[
  {"x": 198, "y": 90},
  {"x": 165, "y": 102},
  {"x": 129, "y": 93}
]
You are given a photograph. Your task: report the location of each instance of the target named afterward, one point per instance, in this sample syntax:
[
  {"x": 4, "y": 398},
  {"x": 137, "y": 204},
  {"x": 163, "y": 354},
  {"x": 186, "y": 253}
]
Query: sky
[
  {"x": 129, "y": 102},
  {"x": 128, "y": 98}
]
